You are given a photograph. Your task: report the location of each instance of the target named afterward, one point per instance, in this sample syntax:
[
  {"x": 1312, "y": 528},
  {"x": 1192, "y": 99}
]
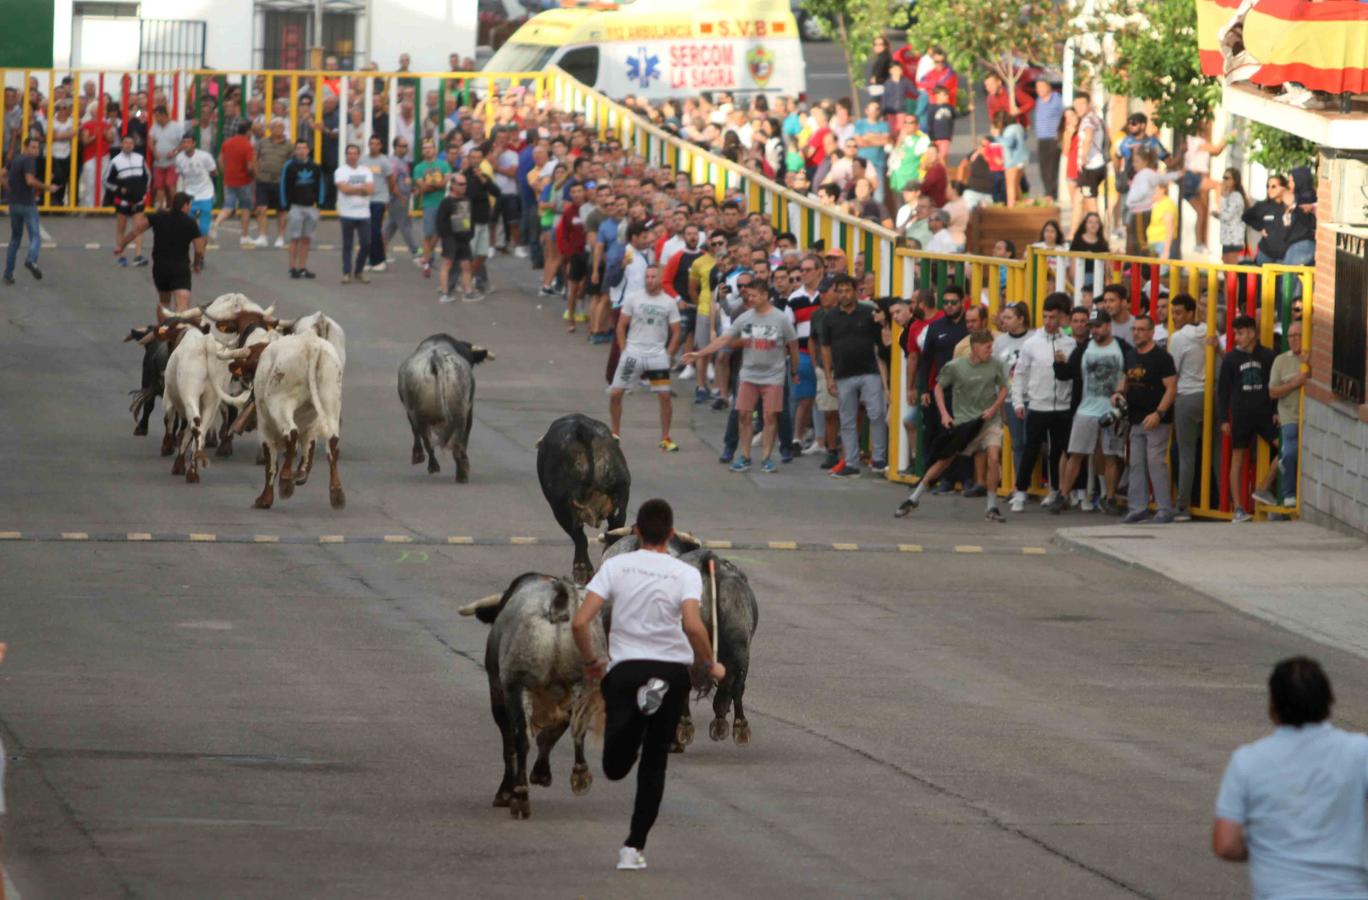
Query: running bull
[
  {"x": 584, "y": 477},
  {"x": 437, "y": 388},
  {"x": 737, "y": 616},
  {"x": 536, "y": 681}
]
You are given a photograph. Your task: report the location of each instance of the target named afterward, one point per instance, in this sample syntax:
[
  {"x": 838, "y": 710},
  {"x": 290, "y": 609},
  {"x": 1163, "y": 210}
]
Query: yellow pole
[
  {"x": 294, "y": 111},
  {"x": 489, "y": 104},
  {"x": 318, "y": 119},
  {"x": 24, "y": 99},
  {"x": 74, "y": 168},
  {"x": 47, "y": 155},
  {"x": 1301, "y": 392},
  {"x": 1210, "y": 427}
]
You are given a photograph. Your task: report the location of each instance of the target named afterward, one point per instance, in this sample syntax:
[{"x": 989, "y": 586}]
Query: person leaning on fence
[
  {"x": 1290, "y": 372},
  {"x": 1151, "y": 389},
  {"x": 1097, "y": 366},
  {"x": 1247, "y": 412},
  {"x": 1291, "y": 804},
  {"x": 1187, "y": 346}
]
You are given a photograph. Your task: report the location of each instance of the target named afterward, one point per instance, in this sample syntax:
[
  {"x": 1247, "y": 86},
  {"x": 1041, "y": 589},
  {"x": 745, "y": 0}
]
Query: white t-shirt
[
  {"x": 61, "y": 137},
  {"x": 634, "y": 266},
  {"x": 652, "y": 315},
  {"x": 196, "y": 173},
  {"x": 353, "y": 206},
  {"x": 505, "y": 183},
  {"x": 647, "y": 590}
]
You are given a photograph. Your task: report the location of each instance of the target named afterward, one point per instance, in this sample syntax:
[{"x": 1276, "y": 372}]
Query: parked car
[{"x": 811, "y": 27}]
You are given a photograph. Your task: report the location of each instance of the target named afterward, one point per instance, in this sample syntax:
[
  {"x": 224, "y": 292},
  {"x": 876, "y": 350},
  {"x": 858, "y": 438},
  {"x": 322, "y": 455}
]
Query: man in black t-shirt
[
  {"x": 24, "y": 187},
  {"x": 850, "y": 339},
  {"x": 1246, "y": 411},
  {"x": 174, "y": 233},
  {"x": 1151, "y": 391}
]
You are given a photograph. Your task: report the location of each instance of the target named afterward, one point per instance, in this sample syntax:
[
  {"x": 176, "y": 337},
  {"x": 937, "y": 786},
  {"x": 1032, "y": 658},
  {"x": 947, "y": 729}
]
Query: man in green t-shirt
[
  {"x": 429, "y": 183},
  {"x": 975, "y": 428}
]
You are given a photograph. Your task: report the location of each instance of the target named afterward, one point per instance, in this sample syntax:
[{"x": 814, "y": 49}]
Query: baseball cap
[{"x": 1099, "y": 316}]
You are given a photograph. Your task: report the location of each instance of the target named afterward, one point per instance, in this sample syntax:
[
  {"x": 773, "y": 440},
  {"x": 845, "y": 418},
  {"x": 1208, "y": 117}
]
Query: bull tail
[
  {"x": 440, "y": 371},
  {"x": 238, "y": 401},
  {"x": 143, "y": 400},
  {"x": 562, "y": 609}
]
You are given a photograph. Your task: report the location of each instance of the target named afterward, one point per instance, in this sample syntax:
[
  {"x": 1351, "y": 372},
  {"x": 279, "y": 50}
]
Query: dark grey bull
[
  {"x": 437, "y": 388},
  {"x": 737, "y": 616},
  {"x": 536, "y": 681},
  {"x": 156, "y": 353},
  {"x": 584, "y": 477}
]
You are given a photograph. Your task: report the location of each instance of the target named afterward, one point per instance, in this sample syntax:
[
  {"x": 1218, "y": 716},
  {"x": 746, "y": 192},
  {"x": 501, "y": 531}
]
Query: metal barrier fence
[{"x": 187, "y": 92}]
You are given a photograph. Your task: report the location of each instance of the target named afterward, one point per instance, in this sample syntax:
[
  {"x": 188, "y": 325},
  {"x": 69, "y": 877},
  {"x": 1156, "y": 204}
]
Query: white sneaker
[
  {"x": 446, "y": 298},
  {"x": 1087, "y": 505},
  {"x": 472, "y": 297},
  {"x": 261, "y": 241},
  {"x": 631, "y": 859},
  {"x": 490, "y": 253},
  {"x": 245, "y": 241},
  {"x": 213, "y": 232},
  {"x": 418, "y": 261},
  {"x": 1019, "y": 501},
  {"x": 1049, "y": 498},
  {"x": 279, "y": 243},
  {"x": 379, "y": 267},
  {"x": 521, "y": 252},
  {"x": 687, "y": 373}
]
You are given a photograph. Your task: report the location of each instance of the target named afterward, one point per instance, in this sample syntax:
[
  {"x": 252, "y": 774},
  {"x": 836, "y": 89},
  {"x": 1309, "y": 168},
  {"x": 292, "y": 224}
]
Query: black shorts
[
  {"x": 456, "y": 250},
  {"x": 1090, "y": 181},
  {"x": 126, "y": 208},
  {"x": 171, "y": 278},
  {"x": 1243, "y": 431},
  {"x": 510, "y": 208},
  {"x": 577, "y": 267},
  {"x": 267, "y": 195}
]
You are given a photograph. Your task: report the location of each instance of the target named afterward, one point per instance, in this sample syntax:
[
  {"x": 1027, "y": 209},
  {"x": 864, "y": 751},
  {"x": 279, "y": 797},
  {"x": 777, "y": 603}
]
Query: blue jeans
[
  {"x": 203, "y": 213},
  {"x": 22, "y": 217},
  {"x": 530, "y": 220},
  {"x": 1287, "y": 480},
  {"x": 359, "y": 229}
]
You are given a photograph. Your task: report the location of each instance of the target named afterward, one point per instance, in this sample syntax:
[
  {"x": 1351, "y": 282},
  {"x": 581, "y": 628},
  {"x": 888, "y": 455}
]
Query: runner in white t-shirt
[
  {"x": 657, "y": 632},
  {"x": 195, "y": 171},
  {"x": 648, "y": 333},
  {"x": 355, "y": 185}
]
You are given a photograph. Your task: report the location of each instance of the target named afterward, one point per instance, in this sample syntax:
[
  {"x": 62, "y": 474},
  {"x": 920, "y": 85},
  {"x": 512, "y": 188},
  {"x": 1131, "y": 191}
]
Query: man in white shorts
[
  {"x": 648, "y": 333},
  {"x": 1099, "y": 366}
]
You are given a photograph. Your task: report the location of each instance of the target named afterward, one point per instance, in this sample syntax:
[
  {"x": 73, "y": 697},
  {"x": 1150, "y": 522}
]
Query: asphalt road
[{"x": 287, "y": 718}]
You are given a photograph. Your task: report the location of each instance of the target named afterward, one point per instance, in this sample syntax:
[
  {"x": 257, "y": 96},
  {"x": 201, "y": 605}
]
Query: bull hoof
[
  {"x": 301, "y": 478},
  {"x": 583, "y": 574},
  {"x": 502, "y": 799},
  {"x": 211, "y": 439},
  {"x": 201, "y": 458},
  {"x": 167, "y": 449},
  {"x": 519, "y": 806},
  {"x": 432, "y": 466},
  {"x": 418, "y": 458},
  {"x": 741, "y": 732},
  {"x": 337, "y": 498},
  {"x": 581, "y": 780},
  {"x": 140, "y": 431},
  {"x": 541, "y": 774},
  {"x": 192, "y": 476},
  {"x": 676, "y": 747},
  {"x": 717, "y": 729},
  {"x": 287, "y": 485},
  {"x": 178, "y": 467},
  {"x": 263, "y": 502},
  {"x": 225, "y": 449},
  {"x": 462, "y": 477},
  {"x": 684, "y": 734}
]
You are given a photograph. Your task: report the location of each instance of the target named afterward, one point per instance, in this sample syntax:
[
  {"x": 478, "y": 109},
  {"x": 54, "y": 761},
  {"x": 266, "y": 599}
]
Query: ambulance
[{"x": 658, "y": 49}]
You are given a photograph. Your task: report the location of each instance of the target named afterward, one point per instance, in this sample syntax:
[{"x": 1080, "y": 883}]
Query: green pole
[{"x": 218, "y": 145}]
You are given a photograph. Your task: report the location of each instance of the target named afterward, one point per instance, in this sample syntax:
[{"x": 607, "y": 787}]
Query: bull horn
[
  {"x": 686, "y": 536},
  {"x": 193, "y": 312},
  {"x": 285, "y": 325},
  {"x": 471, "y": 609},
  {"x": 619, "y": 532},
  {"x": 239, "y": 353},
  {"x": 268, "y": 311},
  {"x": 147, "y": 338},
  {"x": 163, "y": 314}
]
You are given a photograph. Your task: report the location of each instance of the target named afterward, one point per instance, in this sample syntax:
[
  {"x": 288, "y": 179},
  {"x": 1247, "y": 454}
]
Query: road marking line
[
  {"x": 75, "y": 536},
  {"x": 968, "y": 548},
  {"x": 398, "y": 539},
  {"x": 211, "y": 246},
  {"x": 92, "y": 246},
  {"x": 326, "y": 247},
  {"x": 845, "y": 547},
  {"x": 1034, "y": 551},
  {"x": 10, "y": 535},
  {"x": 783, "y": 545},
  {"x": 718, "y": 545},
  {"x": 331, "y": 539},
  {"x": 460, "y": 540},
  {"x": 139, "y": 536},
  {"x": 522, "y": 540},
  {"x": 265, "y": 539},
  {"x": 200, "y": 537},
  {"x": 909, "y": 548}
]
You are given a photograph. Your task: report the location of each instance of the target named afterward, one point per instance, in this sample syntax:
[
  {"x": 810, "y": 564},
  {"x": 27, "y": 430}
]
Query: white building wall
[
  {"x": 231, "y": 31},
  {"x": 428, "y": 30}
]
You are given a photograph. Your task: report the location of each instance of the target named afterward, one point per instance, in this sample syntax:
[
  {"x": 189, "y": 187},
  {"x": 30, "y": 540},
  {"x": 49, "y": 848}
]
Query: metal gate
[{"x": 171, "y": 44}]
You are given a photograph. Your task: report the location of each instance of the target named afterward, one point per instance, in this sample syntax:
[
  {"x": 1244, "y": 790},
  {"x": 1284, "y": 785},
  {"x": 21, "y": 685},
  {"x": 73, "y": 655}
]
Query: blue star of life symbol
[{"x": 642, "y": 67}]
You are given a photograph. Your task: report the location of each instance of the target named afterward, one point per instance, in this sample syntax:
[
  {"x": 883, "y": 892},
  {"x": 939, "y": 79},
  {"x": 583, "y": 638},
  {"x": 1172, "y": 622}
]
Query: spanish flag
[{"x": 1323, "y": 46}]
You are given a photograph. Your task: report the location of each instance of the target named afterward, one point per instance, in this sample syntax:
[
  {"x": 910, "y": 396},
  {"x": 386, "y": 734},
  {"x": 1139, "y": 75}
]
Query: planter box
[{"x": 1020, "y": 224}]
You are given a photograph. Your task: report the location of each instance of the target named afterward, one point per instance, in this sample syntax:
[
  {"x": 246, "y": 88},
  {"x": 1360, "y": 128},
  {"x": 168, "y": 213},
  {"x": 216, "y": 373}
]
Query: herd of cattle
[{"x": 232, "y": 367}]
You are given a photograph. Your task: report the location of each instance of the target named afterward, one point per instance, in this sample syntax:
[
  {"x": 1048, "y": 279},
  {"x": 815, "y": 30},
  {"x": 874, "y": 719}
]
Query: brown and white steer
[
  {"x": 195, "y": 380},
  {"x": 298, "y": 392}
]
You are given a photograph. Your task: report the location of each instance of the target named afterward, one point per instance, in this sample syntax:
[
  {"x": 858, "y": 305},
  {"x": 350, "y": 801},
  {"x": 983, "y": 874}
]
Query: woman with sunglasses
[{"x": 1234, "y": 202}]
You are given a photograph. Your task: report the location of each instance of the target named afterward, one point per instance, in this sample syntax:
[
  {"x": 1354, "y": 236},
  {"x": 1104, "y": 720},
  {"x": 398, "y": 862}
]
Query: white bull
[
  {"x": 325, "y": 327},
  {"x": 195, "y": 380},
  {"x": 298, "y": 391}
]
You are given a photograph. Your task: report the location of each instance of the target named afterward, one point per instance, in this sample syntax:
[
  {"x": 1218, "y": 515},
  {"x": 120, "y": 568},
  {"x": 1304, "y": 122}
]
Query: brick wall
[{"x": 1334, "y": 448}]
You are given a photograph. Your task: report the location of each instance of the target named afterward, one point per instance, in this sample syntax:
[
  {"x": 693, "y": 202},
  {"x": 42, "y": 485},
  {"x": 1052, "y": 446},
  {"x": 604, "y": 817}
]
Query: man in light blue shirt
[
  {"x": 1292, "y": 803},
  {"x": 1045, "y": 116}
]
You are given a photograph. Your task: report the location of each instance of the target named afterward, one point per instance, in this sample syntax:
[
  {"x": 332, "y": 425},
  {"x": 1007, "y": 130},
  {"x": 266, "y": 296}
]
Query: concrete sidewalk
[{"x": 1308, "y": 580}]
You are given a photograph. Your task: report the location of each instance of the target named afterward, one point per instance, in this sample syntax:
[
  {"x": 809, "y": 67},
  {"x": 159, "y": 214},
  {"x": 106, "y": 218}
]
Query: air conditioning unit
[{"x": 1349, "y": 181}]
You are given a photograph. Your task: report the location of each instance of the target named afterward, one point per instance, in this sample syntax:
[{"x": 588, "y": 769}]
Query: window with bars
[
  {"x": 287, "y": 36},
  {"x": 1351, "y": 317}
]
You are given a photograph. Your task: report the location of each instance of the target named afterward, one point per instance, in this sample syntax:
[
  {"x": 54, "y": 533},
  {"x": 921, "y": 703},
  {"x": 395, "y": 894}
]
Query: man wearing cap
[{"x": 1098, "y": 367}]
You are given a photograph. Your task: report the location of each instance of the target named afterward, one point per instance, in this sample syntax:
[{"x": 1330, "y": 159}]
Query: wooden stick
[{"x": 712, "y": 575}]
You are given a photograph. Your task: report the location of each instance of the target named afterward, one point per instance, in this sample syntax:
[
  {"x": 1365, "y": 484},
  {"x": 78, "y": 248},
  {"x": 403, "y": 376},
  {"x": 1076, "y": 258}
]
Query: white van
[{"x": 657, "y": 49}]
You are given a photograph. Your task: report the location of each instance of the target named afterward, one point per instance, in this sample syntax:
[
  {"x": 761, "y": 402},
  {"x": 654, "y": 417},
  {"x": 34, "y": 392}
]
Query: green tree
[
  {"x": 1005, "y": 37},
  {"x": 1148, "y": 50},
  {"x": 1278, "y": 151},
  {"x": 855, "y": 24}
]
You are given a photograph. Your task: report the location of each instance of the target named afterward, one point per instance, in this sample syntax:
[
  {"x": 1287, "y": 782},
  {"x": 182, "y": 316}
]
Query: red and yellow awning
[{"x": 1323, "y": 46}]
